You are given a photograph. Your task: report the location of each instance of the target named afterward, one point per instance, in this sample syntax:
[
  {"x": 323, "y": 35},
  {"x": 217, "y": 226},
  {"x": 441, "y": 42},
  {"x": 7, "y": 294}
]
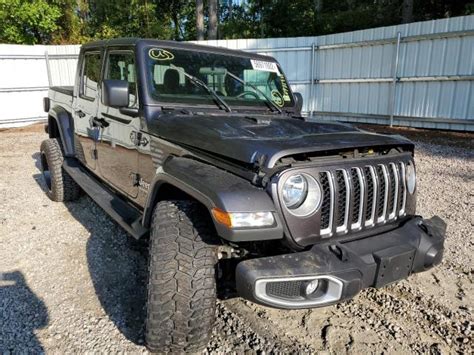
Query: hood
[{"x": 247, "y": 138}]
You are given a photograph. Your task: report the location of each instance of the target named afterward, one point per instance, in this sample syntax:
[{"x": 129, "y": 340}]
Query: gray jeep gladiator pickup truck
[{"x": 204, "y": 151}]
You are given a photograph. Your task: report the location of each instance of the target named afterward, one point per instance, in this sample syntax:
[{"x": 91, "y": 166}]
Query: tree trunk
[
  {"x": 176, "y": 25},
  {"x": 200, "y": 20},
  {"x": 407, "y": 11},
  {"x": 147, "y": 20},
  {"x": 212, "y": 30},
  {"x": 318, "y": 6}
]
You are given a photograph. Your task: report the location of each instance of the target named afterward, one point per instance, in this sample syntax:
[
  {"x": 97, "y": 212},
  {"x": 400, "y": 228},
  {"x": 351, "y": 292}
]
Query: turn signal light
[{"x": 243, "y": 219}]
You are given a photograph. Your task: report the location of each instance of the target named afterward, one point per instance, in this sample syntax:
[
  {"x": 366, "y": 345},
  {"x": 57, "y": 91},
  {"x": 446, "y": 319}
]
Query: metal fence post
[
  {"x": 48, "y": 69},
  {"x": 311, "y": 81},
  {"x": 395, "y": 79}
]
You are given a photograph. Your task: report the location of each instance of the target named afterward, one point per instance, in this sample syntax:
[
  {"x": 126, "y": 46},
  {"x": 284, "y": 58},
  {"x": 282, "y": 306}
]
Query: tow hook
[
  {"x": 339, "y": 251},
  {"x": 425, "y": 228}
]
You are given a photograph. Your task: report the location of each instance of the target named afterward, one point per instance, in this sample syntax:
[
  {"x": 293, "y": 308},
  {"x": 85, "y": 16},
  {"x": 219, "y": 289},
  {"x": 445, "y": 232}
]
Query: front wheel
[{"x": 181, "y": 284}]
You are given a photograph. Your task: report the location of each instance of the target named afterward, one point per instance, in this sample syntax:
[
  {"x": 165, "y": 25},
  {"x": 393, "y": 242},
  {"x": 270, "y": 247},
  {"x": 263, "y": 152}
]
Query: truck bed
[
  {"x": 62, "y": 96},
  {"x": 67, "y": 90}
]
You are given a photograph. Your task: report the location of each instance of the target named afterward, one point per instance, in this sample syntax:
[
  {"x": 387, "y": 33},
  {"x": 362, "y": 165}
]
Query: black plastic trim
[
  {"x": 65, "y": 124},
  {"x": 66, "y": 90},
  {"x": 214, "y": 187},
  {"x": 127, "y": 216},
  {"x": 415, "y": 247},
  {"x": 116, "y": 118}
]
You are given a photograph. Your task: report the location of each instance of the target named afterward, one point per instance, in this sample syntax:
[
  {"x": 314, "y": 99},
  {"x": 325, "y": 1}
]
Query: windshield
[{"x": 171, "y": 72}]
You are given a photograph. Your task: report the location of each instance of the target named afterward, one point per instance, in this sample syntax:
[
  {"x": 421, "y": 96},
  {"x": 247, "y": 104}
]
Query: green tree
[
  {"x": 240, "y": 22},
  {"x": 78, "y": 21},
  {"x": 124, "y": 18},
  {"x": 291, "y": 18},
  {"x": 28, "y": 21},
  {"x": 71, "y": 23}
]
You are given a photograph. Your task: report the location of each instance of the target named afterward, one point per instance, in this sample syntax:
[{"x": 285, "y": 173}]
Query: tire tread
[
  {"x": 181, "y": 288},
  {"x": 63, "y": 187}
]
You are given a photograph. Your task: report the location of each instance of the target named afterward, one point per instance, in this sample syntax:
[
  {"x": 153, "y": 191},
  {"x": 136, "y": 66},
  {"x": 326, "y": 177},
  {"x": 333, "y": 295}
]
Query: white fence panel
[
  {"x": 25, "y": 79},
  {"x": 424, "y": 79},
  {"x": 354, "y": 77}
]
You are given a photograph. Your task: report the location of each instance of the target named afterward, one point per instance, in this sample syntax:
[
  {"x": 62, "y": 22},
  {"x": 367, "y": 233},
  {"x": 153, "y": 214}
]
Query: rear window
[{"x": 90, "y": 75}]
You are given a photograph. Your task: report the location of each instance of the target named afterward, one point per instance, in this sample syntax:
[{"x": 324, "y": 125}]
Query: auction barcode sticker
[{"x": 264, "y": 66}]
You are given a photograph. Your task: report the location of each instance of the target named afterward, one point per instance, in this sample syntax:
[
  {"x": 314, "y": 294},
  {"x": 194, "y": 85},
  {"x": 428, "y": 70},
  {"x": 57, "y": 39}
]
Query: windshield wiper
[
  {"x": 268, "y": 100},
  {"x": 203, "y": 85}
]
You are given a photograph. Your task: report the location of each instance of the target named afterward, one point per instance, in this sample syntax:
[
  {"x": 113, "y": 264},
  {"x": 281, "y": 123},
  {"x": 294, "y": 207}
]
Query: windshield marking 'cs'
[
  {"x": 160, "y": 54},
  {"x": 277, "y": 98}
]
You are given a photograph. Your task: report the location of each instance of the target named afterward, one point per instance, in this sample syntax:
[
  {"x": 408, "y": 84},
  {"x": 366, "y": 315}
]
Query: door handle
[
  {"x": 80, "y": 114},
  {"x": 138, "y": 139},
  {"x": 99, "y": 122}
]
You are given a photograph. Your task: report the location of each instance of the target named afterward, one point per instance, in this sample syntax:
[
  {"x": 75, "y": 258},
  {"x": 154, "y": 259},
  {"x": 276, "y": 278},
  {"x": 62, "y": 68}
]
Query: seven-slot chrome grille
[
  {"x": 360, "y": 197},
  {"x": 358, "y": 194}
]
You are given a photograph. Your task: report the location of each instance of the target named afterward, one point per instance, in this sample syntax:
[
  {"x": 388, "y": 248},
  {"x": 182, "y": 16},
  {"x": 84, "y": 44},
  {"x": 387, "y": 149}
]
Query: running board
[{"x": 127, "y": 216}]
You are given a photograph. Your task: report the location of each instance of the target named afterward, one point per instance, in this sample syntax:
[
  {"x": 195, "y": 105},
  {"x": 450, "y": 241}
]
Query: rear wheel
[
  {"x": 181, "y": 285},
  {"x": 60, "y": 186}
]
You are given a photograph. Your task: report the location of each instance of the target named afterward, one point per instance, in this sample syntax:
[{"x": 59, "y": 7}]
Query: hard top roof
[{"x": 141, "y": 42}]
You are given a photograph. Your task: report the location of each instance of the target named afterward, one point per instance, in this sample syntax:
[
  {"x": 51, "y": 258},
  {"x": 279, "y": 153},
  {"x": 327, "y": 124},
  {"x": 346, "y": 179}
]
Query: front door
[
  {"x": 85, "y": 108},
  {"x": 117, "y": 149}
]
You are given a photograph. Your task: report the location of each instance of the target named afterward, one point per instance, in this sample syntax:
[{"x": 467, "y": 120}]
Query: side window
[
  {"x": 90, "y": 75},
  {"x": 121, "y": 66}
]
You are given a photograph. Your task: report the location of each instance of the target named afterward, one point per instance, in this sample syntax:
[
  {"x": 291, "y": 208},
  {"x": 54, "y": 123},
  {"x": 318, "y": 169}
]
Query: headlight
[
  {"x": 410, "y": 176},
  {"x": 301, "y": 195},
  {"x": 295, "y": 190}
]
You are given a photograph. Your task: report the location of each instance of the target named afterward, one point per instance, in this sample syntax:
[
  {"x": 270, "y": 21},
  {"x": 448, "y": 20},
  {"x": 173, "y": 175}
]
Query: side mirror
[
  {"x": 298, "y": 101},
  {"x": 115, "y": 93}
]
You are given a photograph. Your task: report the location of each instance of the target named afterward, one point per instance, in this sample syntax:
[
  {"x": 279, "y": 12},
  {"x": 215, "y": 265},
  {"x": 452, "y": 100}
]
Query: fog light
[
  {"x": 298, "y": 291},
  {"x": 310, "y": 287}
]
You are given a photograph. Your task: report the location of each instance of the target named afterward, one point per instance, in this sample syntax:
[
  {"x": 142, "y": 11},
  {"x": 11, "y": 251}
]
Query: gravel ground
[{"x": 71, "y": 281}]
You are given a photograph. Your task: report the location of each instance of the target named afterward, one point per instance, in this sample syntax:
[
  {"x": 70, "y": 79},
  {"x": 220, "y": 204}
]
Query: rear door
[
  {"x": 117, "y": 149},
  {"x": 85, "y": 107}
]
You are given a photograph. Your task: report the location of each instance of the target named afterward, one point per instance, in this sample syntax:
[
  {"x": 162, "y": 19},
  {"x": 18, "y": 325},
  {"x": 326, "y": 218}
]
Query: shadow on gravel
[
  {"x": 39, "y": 176},
  {"x": 117, "y": 266},
  {"x": 21, "y": 313}
]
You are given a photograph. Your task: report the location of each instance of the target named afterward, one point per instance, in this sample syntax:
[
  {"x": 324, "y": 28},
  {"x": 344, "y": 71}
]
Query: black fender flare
[
  {"x": 65, "y": 124},
  {"x": 215, "y": 188}
]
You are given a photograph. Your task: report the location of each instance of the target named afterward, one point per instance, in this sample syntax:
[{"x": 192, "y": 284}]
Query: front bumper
[{"x": 341, "y": 270}]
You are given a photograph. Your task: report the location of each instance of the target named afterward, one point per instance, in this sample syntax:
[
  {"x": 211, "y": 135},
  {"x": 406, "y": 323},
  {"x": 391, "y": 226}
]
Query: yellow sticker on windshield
[
  {"x": 277, "y": 98},
  {"x": 160, "y": 54},
  {"x": 286, "y": 94}
]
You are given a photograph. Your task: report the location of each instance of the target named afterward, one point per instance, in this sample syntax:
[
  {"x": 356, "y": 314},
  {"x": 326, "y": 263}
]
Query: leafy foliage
[
  {"x": 77, "y": 21},
  {"x": 23, "y": 21}
]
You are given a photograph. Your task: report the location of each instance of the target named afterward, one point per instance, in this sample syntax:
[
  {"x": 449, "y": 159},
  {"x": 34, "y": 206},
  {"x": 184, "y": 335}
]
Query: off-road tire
[
  {"x": 181, "y": 278},
  {"x": 60, "y": 186}
]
